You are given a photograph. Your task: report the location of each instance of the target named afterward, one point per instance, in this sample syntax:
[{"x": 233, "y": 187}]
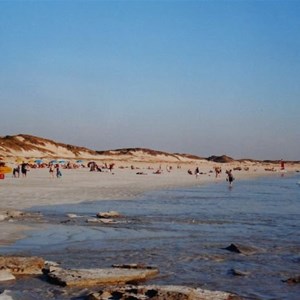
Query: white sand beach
[{"x": 78, "y": 185}]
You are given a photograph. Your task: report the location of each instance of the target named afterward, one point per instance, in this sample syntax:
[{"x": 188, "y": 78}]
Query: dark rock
[
  {"x": 292, "y": 280},
  {"x": 65, "y": 222},
  {"x": 246, "y": 250},
  {"x": 134, "y": 266},
  {"x": 117, "y": 295},
  {"x": 236, "y": 272},
  {"x": 233, "y": 248},
  {"x": 151, "y": 293}
]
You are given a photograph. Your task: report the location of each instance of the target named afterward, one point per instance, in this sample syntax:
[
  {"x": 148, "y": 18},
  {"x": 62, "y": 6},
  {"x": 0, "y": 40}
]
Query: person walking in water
[
  {"x": 230, "y": 177},
  {"x": 282, "y": 167},
  {"x": 218, "y": 171}
]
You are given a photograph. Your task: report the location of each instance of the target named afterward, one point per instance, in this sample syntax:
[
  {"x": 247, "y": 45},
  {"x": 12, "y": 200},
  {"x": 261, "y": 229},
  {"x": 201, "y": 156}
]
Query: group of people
[
  {"x": 23, "y": 168},
  {"x": 218, "y": 171},
  {"x": 230, "y": 178},
  {"x": 95, "y": 168},
  {"x": 55, "y": 169}
]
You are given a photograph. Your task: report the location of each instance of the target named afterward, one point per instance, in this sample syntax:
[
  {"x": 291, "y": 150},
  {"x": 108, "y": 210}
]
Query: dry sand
[{"x": 80, "y": 185}]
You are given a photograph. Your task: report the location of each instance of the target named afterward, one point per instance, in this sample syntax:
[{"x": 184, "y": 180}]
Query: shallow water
[{"x": 183, "y": 232}]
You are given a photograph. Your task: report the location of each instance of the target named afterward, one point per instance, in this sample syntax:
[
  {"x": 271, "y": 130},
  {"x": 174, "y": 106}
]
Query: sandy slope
[{"x": 29, "y": 148}]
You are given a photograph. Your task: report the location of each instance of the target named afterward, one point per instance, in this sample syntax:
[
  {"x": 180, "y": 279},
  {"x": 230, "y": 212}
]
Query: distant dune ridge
[
  {"x": 29, "y": 146},
  {"x": 32, "y": 147}
]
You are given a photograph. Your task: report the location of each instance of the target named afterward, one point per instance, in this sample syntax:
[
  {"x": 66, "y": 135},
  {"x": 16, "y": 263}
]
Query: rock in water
[
  {"x": 292, "y": 280},
  {"x": 22, "y": 265},
  {"x": 6, "y": 275},
  {"x": 156, "y": 292},
  {"x": 236, "y": 272},
  {"x": 134, "y": 266},
  {"x": 101, "y": 221},
  {"x": 109, "y": 214},
  {"x": 247, "y": 250},
  {"x": 72, "y": 216},
  {"x": 88, "y": 277}
]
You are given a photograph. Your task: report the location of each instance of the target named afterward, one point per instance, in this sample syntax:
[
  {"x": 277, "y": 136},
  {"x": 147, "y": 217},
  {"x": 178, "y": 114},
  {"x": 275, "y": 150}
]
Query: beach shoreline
[{"x": 122, "y": 183}]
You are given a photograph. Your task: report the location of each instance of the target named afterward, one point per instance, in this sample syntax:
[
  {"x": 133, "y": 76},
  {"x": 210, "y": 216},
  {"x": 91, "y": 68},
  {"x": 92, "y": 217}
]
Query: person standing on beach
[
  {"x": 24, "y": 169},
  {"x": 58, "y": 172},
  {"x": 51, "y": 170},
  {"x": 230, "y": 177},
  {"x": 16, "y": 171}
]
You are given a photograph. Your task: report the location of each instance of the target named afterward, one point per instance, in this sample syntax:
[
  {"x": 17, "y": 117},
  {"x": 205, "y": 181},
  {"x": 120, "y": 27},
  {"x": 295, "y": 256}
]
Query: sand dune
[{"x": 31, "y": 147}]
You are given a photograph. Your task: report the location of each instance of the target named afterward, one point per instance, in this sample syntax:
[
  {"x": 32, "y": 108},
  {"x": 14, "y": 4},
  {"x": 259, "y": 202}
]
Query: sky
[{"x": 198, "y": 77}]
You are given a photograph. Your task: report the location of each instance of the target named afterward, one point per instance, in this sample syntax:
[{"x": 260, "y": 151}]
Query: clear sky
[{"x": 198, "y": 77}]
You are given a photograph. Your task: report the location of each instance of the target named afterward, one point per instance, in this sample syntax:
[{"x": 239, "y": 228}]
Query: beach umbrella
[
  {"x": 79, "y": 161},
  {"x": 62, "y": 161},
  {"x": 54, "y": 161},
  {"x": 38, "y": 161},
  {"x": 19, "y": 160}
]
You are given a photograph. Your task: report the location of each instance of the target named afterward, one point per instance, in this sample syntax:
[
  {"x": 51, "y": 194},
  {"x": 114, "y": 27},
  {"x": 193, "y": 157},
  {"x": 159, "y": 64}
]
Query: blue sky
[{"x": 199, "y": 77}]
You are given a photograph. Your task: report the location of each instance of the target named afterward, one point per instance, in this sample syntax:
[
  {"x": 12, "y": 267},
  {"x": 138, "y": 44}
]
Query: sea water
[{"x": 183, "y": 232}]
